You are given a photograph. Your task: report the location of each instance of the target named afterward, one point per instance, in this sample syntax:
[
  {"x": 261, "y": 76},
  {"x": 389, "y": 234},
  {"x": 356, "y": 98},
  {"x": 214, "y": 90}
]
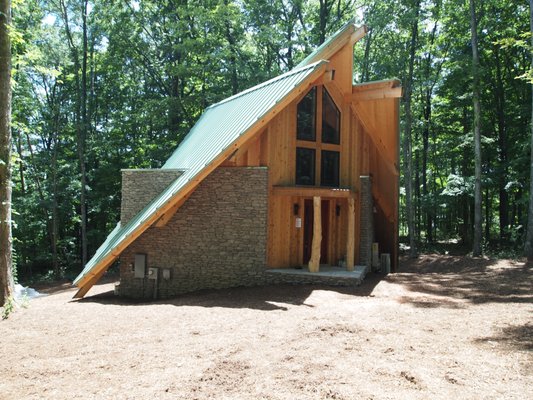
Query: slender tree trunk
[
  {"x": 476, "y": 251},
  {"x": 418, "y": 197},
  {"x": 488, "y": 214},
  {"x": 407, "y": 146},
  {"x": 366, "y": 59},
  {"x": 529, "y": 236},
  {"x": 425, "y": 150},
  {"x": 322, "y": 22},
  {"x": 503, "y": 206},
  {"x": 82, "y": 139},
  {"x": 6, "y": 240},
  {"x": 55, "y": 212},
  {"x": 81, "y": 114},
  {"x": 465, "y": 199}
]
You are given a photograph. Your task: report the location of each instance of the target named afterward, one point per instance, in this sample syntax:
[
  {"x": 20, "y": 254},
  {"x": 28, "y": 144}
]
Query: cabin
[{"x": 300, "y": 172}]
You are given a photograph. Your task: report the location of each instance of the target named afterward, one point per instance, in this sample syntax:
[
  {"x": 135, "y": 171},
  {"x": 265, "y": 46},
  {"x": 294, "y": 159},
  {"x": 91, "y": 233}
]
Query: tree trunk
[
  {"x": 366, "y": 59},
  {"x": 529, "y": 236},
  {"x": 407, "y": 147},
  {"x": 82, "y": 139},
  {"x": 81, "y": 114},
  {"x": 425, "y": 150},
  {"x": 476, "y": 251},
  {"x": 322, "y": 22},
  {"x": 503, "y": 206},
  {"x": 314, "y": 261},
  {"x": 466, "y": 238},
  {"x": 6, "y": 240}
]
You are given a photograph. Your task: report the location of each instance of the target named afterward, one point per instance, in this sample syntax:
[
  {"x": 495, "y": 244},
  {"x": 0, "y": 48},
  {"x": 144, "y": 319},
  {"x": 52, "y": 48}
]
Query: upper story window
[
  {"x": 331, "y": 121},
  {"x": 306, "y": 120},
  {"x": 318, "y": 140}
]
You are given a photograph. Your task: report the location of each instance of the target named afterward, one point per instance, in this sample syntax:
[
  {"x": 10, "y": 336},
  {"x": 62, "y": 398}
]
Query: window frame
[{"x": 318, "y": 145}]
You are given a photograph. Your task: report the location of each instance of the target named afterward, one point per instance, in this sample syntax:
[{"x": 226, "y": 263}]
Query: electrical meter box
[
  {"x": 139, "y": 267},
  {"x": 152, "y": 273},
  {"x": 166, "y": 274}
]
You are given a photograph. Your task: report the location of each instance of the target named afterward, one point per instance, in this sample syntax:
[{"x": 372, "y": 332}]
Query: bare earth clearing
[{"x": 445, "y": 328}]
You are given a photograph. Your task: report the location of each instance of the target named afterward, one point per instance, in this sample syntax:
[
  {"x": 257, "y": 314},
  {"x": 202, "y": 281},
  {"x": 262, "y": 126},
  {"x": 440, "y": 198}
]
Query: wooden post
[
  {"x": 350, "y": 243},
  {"x": 314, "y": 261}
]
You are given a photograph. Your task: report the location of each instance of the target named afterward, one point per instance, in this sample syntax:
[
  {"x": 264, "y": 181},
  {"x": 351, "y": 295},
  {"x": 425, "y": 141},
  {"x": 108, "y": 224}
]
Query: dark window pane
[
  {"x": 329, "y": 175},
  {"x": 305, "y": 127},
  {"x": 305, "y": 166},
  {"x": 331, "y": 120}
]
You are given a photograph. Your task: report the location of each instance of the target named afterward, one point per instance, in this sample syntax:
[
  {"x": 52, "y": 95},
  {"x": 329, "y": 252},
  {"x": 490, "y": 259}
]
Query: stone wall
[
  {"x": 366, "y": 222},
  {"x": 140, "y": 186},
  {"x": 217, "y": 239}
]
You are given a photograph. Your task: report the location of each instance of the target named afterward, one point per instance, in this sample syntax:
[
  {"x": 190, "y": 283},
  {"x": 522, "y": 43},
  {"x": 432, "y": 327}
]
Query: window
[
  {"x": 329, "y": 174},
  {"x": 317, "y": 143},
  {"x": 306, "y": 120},
  {"x": 305, "y": 166},
  {"x": 330, "y": 120}
]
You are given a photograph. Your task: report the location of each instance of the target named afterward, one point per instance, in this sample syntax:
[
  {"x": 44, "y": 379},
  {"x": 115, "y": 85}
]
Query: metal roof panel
[{"x": 219, "y": 127}]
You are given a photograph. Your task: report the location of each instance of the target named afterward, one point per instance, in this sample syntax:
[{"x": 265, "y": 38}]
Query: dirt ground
[{"x": 446, "y": 327}]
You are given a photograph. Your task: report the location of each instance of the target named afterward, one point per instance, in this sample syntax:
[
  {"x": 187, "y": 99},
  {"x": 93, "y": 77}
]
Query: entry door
[{"x": 308, "y": 230}]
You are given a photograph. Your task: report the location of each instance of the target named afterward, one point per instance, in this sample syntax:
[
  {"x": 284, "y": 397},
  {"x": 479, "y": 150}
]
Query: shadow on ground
[
  {"x": 477, "y": 280},
  {"x": 267, "y": 298},
  {"x": 519, "y": 337}
]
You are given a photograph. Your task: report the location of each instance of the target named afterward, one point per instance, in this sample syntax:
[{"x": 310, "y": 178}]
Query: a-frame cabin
[{"x": 301, "y": 170}]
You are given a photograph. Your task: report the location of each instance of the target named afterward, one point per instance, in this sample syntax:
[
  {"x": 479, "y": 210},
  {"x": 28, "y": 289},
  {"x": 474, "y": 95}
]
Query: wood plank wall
[{"x": 275, "y": 148}]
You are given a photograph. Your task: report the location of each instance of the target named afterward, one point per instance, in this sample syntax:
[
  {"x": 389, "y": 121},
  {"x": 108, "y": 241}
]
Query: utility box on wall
[
  {"x": 139, "y": 267},
  {"x": 152, "y": 273}
]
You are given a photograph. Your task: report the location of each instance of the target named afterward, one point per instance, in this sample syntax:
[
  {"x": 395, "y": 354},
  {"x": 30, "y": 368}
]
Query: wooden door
[{"x": 308, "y": 230}]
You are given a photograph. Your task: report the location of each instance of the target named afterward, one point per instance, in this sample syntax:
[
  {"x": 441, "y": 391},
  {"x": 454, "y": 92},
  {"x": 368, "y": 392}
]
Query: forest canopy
[{"x": 99, "y": 86}]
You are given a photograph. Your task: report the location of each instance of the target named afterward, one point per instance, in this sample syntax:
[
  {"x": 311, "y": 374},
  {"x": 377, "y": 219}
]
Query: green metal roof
[{"x": 218, "y": 128}]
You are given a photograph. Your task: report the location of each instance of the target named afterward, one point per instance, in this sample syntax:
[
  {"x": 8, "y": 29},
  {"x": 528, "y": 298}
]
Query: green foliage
[{"x": 8, "y": 308}]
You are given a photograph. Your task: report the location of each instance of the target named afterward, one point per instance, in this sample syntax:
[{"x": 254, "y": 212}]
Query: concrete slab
[{"x": 326, "y": 275}]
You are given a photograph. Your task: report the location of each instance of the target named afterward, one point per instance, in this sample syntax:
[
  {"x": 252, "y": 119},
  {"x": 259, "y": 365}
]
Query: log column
[
  {"x": 314, "y": 261},
  {"x": 350, "y": 244}
]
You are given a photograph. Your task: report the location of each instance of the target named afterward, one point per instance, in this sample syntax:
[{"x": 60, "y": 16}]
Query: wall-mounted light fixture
[{"x": 295, "y": 208}]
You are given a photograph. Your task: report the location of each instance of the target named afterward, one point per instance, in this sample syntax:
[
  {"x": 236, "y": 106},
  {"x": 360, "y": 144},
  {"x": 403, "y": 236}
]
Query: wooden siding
[{"x": 368, "y": 146}]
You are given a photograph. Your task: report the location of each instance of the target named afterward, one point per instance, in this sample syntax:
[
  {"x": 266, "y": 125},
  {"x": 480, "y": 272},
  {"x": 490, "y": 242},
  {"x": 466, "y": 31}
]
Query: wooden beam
[
  {"x": 312, "y": 191},
  {"x": 84, "y": 289},
  {"x": 377, "y": 94},
  {"x": 169, "y": 214},
  {"x": 200, "y": 176},
  {"x": 358, "y": 34},
  {"x": 350, "y": 242},
  {"x": 373, "y": 85},
  {"x": 336, "y": 94},
  {"x": 314, "y": 262}
]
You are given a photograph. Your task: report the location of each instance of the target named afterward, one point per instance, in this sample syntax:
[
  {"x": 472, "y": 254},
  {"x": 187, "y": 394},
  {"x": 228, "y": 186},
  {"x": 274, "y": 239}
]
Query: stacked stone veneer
[
  {"x": 366, "y": 221},
  {"x": 217, "y": 238},
  {"x": 140, "y": 186}
]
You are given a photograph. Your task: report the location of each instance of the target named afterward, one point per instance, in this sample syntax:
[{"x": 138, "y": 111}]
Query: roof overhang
[{"x": 386, "y": 89}]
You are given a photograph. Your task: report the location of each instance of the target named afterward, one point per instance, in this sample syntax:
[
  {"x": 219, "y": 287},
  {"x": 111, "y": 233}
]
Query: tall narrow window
[
  {"x": 329, "y": 174},
  {"x": 306, "y": 120},
  {"x": 331, "y": 120},
  {"x": 318, "y": 149},
  {"x": 305, "y": 166}
]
